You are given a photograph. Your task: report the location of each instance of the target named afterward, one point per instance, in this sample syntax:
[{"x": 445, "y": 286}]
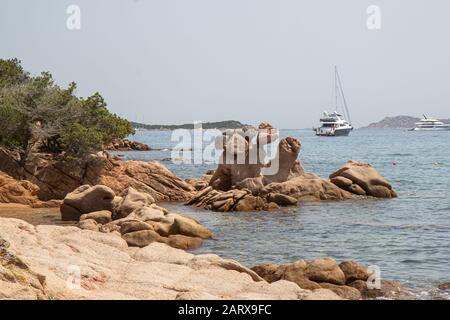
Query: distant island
[
  {"x": 398, "y": 122},
  {"x": 228, "y": 124}
]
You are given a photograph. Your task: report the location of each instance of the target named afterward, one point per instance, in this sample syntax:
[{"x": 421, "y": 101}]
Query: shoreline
[{"x": 39, "y": 217}]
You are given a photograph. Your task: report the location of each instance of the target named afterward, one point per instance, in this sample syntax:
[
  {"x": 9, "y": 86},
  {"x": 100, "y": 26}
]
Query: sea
[{"x": 406, "y": 238}]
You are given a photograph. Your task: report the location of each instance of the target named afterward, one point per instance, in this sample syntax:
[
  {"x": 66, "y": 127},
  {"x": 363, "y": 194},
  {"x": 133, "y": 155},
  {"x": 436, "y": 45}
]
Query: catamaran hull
[
  {"x": 432, "y": 129},
  {"x": 334, "y": 133}
]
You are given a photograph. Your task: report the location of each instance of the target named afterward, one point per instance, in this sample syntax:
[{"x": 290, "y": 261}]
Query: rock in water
[
  {"x": 281, "y": 199},
  {"x": 348, "y": 280},
  {"x": 354, "y": 271},
  {"x": 362, "y": 179},
  {"x": 325, "y": 270}
]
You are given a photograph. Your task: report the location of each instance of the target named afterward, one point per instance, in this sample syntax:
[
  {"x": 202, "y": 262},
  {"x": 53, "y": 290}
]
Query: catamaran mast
[
  {"x": 338, "y": 81},
  {"x": 335, "y": 89}
]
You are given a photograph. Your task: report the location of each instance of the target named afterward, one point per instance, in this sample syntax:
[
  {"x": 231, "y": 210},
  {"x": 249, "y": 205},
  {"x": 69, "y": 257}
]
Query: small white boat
[
  {"x": 335, "y": 124},
  {"x": 430, "y": 124}
]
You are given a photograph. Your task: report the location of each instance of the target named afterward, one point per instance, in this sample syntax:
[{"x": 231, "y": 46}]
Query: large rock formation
[
  {"x": 22, "y": 192},
  {"x": 54, "y": 262},
  {"x": 244, "y": 181},
  {"x": 52, "y": 177},
  {"x": 362, "y": 179},
  {"x": 348, "y": 279},
  {"x": 134, "y": 216}
]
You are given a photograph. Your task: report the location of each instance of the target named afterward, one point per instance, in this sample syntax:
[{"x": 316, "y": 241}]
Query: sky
[{"x": 179, "y": 61}]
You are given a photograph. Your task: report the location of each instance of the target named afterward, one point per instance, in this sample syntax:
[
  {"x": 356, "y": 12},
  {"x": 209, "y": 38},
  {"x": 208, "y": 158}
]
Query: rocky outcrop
[
  {"x": 233, "y": 200},
  {"x": 389, "y": 289},
  {"x": 134, "y": 216},
  {"x": 52, "y": 177},
  {"x": 127, "y": 145},
  {"x": 362, "y": 179},
  {"x": 54, "y": 262},
  {"x": 348, "y": 279},
  {"x": 243, "y": 180},
  {"x": 17, "y": 280},
  {"x": 307, "y": 187},
  {"x": 22, "y": 192},
  {"x": 148, "y": 177}
]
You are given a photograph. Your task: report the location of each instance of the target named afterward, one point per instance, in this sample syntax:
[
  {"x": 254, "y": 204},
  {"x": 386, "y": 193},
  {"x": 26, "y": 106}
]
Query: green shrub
[{"x": 37, "y": 113}]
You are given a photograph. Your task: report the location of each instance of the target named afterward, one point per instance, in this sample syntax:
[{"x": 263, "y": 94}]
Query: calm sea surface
[{"x": 408, "y": 238}]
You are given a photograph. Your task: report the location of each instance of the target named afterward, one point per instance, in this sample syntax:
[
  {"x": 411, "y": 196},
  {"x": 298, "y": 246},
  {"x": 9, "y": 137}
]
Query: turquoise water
[{"x": 408, "y": 238}]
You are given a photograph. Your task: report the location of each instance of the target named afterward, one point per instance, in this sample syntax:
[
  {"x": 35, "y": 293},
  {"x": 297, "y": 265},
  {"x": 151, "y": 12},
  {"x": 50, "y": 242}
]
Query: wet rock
[
  {"x": 325, "y": 270},
  {"x": 388, "y": 290},
  {"x": 307, "y": 188},
  {"x": 271, "y": 206},
  {"x": 444, "y": 286},
  {"x": 354, "y": 271},
  {"x": 190, "y": 227},
  {"x": 249, "y": 203},
  {"x": 343, "y": 291},
  {"x": 365, "y": 180},
  {"x": 281, "y": 199}
]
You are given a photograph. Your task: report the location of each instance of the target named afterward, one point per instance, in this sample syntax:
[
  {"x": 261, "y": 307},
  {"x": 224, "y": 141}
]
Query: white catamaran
[{"x": 335, "y": 124}]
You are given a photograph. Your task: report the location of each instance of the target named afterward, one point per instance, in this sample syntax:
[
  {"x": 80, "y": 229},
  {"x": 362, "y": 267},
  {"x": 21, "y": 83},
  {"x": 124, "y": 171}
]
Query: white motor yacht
[
  {"x": 335, "y": 124},
  {"x": 430, "y": 124}
]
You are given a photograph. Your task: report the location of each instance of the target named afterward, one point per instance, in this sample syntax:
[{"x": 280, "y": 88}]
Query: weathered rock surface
[
  {"x": 354, "y": 271},
  {"x": 22, "y": 192},
  {"x": 137, "y": 219},
  {"x": 52, "y": 177},
  {"x": 348, "y": 279},
  {"x": 148, "y": 177},
  {"x": 233, "y": 200},
  {"x": 127, "y": 145},
  {"x": 48, "y": 262},
  {"x": 101, "y": 217},
  {"x": 362, "y": 179},
  {"x": 86, "y": 199},
  {"x": 388, "y": 290},
  {"x": 243, "y": 168},
  {"x": 308, "y": 187}
]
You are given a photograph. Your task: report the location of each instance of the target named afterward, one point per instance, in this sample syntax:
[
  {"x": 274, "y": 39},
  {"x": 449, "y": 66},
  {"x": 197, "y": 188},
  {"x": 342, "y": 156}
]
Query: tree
[{"x": 38, "y": 115}]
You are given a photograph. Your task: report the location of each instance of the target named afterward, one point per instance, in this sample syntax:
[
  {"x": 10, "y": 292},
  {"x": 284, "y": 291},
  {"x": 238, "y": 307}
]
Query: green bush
[{"x": 37, "y": 113}]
